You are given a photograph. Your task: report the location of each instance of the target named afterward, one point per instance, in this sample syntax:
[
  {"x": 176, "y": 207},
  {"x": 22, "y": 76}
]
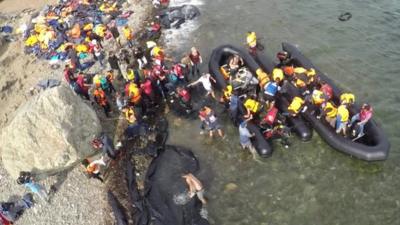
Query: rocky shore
[{"x": 74, "y": 199}]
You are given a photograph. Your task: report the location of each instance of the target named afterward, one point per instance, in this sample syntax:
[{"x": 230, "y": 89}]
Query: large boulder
[{"x": 50, "y": 132}]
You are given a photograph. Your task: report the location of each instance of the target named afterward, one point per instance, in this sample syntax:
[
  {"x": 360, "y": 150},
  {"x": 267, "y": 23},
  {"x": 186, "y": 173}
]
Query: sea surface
[{"x": 309, "y": 183}]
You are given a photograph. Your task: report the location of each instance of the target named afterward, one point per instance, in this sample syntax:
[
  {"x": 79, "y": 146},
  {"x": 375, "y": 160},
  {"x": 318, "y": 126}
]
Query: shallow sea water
[{"x": 310, "y": 183}]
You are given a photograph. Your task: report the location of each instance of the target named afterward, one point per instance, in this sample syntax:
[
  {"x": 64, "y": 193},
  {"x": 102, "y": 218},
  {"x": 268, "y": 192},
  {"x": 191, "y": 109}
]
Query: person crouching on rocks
[
  {"x": 93, "y": 168},
  {"x": 26, "y": 179},
  {"x": 195, "y": 187}
]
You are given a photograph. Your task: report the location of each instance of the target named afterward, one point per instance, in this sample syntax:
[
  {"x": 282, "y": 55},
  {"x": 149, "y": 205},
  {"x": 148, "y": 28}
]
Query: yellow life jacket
[
  {"x": 81, "y": 48},
  {"x": 130, "y": 74},
  {"x": 128, "y": 33},
  {"x": 311, "y": 75},
  {"x": 262, "y": 77},
  {"x": 252, "y": 105},
  {"x": 100, "y": 30},
  {"x": 317, "y": 97},
  {"x": 343, "y": 112},
  {"x": 299, "y": 83},
  {"x": 296, "y": 104},
  {"x": 156, "y": 51},
  {"x": 228, "y": 91},
  {"x": 31, "y": 41},
  {"x": 347, "y": 98},
  {"x": 128, "y": 115},
  {"x": 88, "y": 27},
  {"x": 277, "y": 73},
  {"x": 97, "y": 80},
  {"x": 134, "y": 93},
  {"x": 331, "y": 110},
  {"x": 251, "y": 39},
  {"x": 299, "y": 70}
]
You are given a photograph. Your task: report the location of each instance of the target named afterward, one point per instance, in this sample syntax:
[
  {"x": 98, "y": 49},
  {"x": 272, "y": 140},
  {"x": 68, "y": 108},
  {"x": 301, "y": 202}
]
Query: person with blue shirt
[{"x": 270, "y": 90}]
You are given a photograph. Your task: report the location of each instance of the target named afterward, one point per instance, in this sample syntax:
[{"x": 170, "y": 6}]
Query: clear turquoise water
[{"x": 310, "y": 183}]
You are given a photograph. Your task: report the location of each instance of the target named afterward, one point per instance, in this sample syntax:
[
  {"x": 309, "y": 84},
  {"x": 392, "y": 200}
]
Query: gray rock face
[{"x": 50, "y": 132}]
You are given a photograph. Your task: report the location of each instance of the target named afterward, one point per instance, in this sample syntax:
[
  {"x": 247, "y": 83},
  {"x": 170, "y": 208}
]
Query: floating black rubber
[
  {"x": 301, "y": 129},
  {"x": 373, "y": 146},
  {"x": 345, "y": 16},
  {"x": 218, "y": 58}
]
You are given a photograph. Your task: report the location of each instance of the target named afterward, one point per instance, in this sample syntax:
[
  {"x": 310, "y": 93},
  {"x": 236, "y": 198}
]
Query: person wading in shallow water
[
  {"x": 195, "y": 61},
  {"x": 195, "y": 187}
]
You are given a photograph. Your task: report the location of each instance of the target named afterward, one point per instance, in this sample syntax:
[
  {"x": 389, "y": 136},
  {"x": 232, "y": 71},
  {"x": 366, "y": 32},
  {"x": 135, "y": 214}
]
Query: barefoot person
[
  {"x": 205, "y": 80},
  {"x": 195, "y": 187}
]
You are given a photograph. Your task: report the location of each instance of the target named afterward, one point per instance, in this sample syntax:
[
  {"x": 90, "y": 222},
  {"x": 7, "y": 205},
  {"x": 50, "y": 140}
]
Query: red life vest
[
  {"x": 185, "y": 95},
  {"x": 327, "y": 90},
  {"x": 177, "y": 69},
  {"x": 271, "y": 116},
  {"x": 147, "y": 87},
  {"x": 155, "y": 27},
  {"x": 4, "y": 221}
]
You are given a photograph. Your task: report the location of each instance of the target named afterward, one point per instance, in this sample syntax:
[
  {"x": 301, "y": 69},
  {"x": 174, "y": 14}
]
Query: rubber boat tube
[
  {"x": 373, "y": 146},
  {"x": 301, "y": 129},
  {"x": 218, "y": 57}
]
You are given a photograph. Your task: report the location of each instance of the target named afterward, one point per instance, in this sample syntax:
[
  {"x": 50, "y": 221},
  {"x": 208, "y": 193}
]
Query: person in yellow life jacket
[
  {"x": 128, "y": 33},
  {"x": 330, "y": 112},
  {"x": 97, "y": 80},
  {"x": 262, "y": 77},
  {"x": 311, "y": 77},
  {"x": 227, "y": 93},
  {"x": 251, "y": 40},
  {"x": 252, "y": 106},
  {"x": 342, "y": 118},
  {"x": 130, "y": 115},
  {"x": 277, "y": 74},
  {"x": 101, "y": 99},
  {"x": 317, "y": 97},
  {"x": 133, "y": 93},
  {"x": 347, "y": 98},
  {"x": 100, "y": 30},
  {"x": 296, "y": 106}
]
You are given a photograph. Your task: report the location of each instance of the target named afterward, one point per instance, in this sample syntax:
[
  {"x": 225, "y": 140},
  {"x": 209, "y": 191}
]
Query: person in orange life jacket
[
  {"x": 362, "y": 117},
  {"x": 133, "y": 93},
  {"x": 101, "y": 99},
  {"x": 92, "y": 169},
  {"x": 271, "y": 88},
  {"x": 195, "y": 61},
  {"x": 210, "y": 121}
]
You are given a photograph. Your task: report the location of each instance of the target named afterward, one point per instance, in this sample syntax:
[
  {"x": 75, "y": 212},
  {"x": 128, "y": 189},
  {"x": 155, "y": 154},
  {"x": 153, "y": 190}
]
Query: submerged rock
[
  {"x": 49, "y": 133},
  {"x": 230, "y": 187}
]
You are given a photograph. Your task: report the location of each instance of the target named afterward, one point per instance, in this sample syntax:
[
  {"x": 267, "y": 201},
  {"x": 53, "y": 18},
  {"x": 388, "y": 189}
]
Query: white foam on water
[{"x": 176, "y": 38}]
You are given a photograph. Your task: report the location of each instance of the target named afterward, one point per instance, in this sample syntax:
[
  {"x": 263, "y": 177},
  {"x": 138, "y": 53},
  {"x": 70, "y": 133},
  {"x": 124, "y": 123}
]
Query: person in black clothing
[
  {"x": 140, "y": 57},
  {"x": 115, "y": 33},
  {"x": 113, "y": 61}
]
